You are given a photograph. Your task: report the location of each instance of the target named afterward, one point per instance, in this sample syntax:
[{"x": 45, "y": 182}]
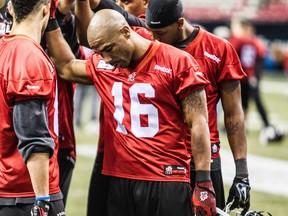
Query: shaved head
[
  {"x": 105, "y": 24},
  {"x": 110, "y": 36}
]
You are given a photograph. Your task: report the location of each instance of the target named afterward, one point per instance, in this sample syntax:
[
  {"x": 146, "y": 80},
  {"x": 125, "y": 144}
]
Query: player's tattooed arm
[
  {"x": 194, "y": 103},
  {"x": 195, "y": 113},
  {"x": 230, "y": 92}
]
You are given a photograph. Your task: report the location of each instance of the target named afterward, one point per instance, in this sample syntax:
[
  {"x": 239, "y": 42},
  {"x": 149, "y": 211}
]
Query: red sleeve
[
  {"x": 31, "y": 75},
  {"x": 90, "y": 66},
  {"x": 189, "y": 79},
  {"x": 230, "y": 65}
]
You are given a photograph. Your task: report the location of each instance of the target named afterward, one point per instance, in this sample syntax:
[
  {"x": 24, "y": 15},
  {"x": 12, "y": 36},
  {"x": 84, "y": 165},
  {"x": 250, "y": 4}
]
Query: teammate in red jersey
[
  {"x": 252, "y": 51},
  {"x": 147, "y": 96},
  {"x": 221, "y": 66},
  {"x": 98, "y": 187},
  {"x": 66, "y": 89},
  {"x": 29, "y": 170}
]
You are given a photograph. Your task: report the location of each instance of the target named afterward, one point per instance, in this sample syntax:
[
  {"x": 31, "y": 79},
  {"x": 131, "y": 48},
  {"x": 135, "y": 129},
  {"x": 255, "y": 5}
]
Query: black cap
[{"x": 161, "y": 13}]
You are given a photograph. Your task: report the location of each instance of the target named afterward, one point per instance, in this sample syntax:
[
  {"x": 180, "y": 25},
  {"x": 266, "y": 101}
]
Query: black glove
[
  {"x": 204, "y": 201},
  {"x": 40, "y": 208},
  {"x": 239, "y": 195}
]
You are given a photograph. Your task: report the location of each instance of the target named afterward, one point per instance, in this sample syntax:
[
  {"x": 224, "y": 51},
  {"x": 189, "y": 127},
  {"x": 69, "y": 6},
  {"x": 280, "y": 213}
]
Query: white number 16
[{"x": 137, "y": 109}]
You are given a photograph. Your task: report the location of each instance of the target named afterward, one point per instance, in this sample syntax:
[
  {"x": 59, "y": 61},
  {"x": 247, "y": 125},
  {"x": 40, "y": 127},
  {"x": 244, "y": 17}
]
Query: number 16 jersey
[{"x": 144, "y": 125}]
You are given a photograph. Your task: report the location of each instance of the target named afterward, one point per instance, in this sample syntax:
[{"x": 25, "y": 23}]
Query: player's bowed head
[
  {"x": 33, "y": 13},
  {"x": 110, "y": 35}
]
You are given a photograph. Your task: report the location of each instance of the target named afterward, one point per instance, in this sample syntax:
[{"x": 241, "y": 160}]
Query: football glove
[
  {"x": 257, "y": 213},
  {"x": 239, "y": 195},
  {"x": 204, "y": 201},
  {"x": 40, "y": 208}
]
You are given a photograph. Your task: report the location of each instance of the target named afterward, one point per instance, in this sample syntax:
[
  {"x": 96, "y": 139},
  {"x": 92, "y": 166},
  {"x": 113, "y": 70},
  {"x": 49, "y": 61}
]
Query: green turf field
[{"x": 276, "y": 104}]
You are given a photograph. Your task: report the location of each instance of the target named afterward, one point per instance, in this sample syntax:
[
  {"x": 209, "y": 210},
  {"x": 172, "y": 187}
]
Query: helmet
[
  {"x": 255, "y": 213},
  {"x": 227, "y": 212}
]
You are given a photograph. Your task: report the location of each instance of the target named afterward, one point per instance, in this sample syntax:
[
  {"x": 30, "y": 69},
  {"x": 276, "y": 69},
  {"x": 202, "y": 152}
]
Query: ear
[
  {"x": 46, "y": 9},
  {"x": 180, "y": 23},
  {"x": 10, "y": 10},
  {"x": 125, "y": 30},
  {"x": 145, "y": 3}
]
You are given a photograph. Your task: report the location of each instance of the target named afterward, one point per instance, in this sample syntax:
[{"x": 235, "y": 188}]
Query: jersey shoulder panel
[{"x": 28, "y": 71}]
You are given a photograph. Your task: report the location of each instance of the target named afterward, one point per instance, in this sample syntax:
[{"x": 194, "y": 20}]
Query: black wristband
[
  {"x": 202, "y": 176},
  {"x": 241, "y": 168},
  {"x": 52, "y": 25},
  {"x": 60, "y": 17}
]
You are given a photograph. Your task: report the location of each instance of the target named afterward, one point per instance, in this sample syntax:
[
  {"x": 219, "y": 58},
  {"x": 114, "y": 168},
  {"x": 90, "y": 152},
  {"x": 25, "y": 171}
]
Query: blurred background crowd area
[{"x": 269, "y": 17}]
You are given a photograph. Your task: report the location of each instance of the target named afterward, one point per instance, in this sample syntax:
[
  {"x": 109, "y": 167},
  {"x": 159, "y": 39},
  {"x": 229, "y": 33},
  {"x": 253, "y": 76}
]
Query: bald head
[
  {"x": 110, "y": 36},
  {"x": 105, "y": 23}
]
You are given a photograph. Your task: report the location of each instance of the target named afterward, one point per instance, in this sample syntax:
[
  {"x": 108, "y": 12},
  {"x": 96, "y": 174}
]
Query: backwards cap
[{"x": 162, "y": 13}]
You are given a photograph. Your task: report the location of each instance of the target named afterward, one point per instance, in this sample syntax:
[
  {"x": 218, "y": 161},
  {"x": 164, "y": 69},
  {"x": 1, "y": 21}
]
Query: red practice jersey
[
  {"x": 66, "y": 110},
  {"x": 249, "y": 50},
  {"x": 26, "y": 72},
  {"x": 146, "y": 34},
  {"x": 145, "y": 133},
  {"x": 219, "y": 62},
  {"x": 66, "y": 91}
]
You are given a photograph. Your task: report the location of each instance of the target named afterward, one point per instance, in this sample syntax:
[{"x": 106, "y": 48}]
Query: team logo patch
[
  {"x": 174, "y": 170},
  {"x": 214, "y": 148},
  {"x": 103, "y": 65},
  {"x": 203, "y": 195},
  {"x": 131, "y": 76}
]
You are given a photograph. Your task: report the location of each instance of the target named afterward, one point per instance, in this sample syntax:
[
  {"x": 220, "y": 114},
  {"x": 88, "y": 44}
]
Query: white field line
[
  {"x": 266, "y": 174},
  {"x": 274, "y": 87}
]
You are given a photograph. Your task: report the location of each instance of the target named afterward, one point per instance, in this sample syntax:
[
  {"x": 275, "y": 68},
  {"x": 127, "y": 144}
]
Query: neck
[
  {"x": 29, "y": 28},
  {"x": 187, "y": 30},
  {"x": 141, "y": 47}
]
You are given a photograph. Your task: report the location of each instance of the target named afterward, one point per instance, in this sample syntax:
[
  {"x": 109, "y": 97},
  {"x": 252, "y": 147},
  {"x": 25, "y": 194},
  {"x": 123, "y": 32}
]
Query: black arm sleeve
[
  {"x": 30, "y": 121},
  {"x": 131, "y": 19}
]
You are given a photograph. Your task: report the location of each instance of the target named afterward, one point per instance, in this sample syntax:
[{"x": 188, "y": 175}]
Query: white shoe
[{"x": 270, "y": 134}]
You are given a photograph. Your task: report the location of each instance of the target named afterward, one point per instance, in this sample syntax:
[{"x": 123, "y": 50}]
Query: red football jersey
[
  {"x": 66, "y": 128},
  {"x": 26, "y": 72},
  {"x": 219, "y": 62},
  {"x": 145, "y": 133},
  {"x": 146, "y": 34},
  {"x": 66, "y": 91},
  {"x": 249, "y": 49}
]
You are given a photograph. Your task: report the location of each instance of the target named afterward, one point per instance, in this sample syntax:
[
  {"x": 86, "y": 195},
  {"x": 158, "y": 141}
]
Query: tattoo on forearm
[
  {"x": 232, "y": 128},
  {"x": 193, "y": 102}
]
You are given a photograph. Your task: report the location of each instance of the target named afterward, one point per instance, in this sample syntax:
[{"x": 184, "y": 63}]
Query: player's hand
[
  {"x": 40, "y": 208},
  {"x": 204, "y": 201},
  {"x": 53, "y": 7},
  {"x": 239, "y": 194}
]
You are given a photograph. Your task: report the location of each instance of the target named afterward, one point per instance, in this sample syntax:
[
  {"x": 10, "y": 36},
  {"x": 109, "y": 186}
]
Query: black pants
[
  {"x": 66, "y": 166},
  {"x": 98, "y": 190},
  {"x": 248, "y": 92},
  {"x": 147, "y": 198},
  {"x": 56, "y": 209},
  {"x": 109, "y": 196}
]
